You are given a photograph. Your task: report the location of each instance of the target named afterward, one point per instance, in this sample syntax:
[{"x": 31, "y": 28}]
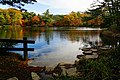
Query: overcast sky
[{"x": 57, "y": 6}]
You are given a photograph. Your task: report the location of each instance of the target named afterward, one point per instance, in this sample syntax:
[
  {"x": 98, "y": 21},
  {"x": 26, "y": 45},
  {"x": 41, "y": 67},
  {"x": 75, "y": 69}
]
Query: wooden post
[{"x": 25, "y": 48}]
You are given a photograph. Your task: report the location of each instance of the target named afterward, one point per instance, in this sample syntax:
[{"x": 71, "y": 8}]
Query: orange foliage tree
[
  {"x": 35, "y": 20},
  {"x": 72, "y": 19},
  {"x": 96, "y": 21}
]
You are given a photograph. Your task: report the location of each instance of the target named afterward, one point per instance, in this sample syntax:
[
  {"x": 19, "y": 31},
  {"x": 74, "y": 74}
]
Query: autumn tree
[
  {"x": 72, "y": 19},
  {"x": 15, "y": 16},
  {"x": 10, "y": 16},
  {"x": 27, "y": 18},
  {"x": 58, "y": 20},
  {"x": 75, "y": 19},
  {"x": 35, "y": 20}
]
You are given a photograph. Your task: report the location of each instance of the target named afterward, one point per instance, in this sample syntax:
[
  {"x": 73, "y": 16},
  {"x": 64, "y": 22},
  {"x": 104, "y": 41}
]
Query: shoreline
[{"x": 109, "y": 33}]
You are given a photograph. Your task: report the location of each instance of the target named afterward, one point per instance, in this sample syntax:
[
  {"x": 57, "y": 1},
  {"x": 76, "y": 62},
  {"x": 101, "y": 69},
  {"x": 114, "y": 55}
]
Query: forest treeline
[
  {"x": 103, "y": 14},
  {"x": 13, "y": 17}
]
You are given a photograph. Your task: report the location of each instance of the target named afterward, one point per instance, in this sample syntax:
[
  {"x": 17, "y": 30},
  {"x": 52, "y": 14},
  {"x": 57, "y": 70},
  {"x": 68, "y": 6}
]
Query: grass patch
[{"x": 106, "y": 67}]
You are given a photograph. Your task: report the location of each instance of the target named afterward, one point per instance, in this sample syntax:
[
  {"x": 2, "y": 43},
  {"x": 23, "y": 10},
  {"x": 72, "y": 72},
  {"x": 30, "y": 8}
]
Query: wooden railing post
[{"x": 25, "y": 48}]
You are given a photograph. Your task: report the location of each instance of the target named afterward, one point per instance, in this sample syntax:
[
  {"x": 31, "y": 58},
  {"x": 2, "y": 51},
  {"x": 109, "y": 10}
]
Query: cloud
[
  {"x": 59, "y": 6},
  {"x": 71, "y": 5}
]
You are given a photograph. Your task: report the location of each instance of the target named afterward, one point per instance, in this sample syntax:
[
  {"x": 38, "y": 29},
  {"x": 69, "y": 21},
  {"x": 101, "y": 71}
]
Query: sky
[{"x": 57, "y": 6}]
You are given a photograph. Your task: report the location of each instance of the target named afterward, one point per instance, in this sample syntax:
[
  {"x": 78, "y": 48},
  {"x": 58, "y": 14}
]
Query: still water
[
  {"x": 61, "y": 46},
  {"x": 53, "y": 47}
]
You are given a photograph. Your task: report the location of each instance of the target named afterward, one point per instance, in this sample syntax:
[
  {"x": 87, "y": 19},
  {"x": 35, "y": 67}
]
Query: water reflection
[{"x": 52, "y": 47}]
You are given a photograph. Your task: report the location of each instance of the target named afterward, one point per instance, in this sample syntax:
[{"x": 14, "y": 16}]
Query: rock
[
  {"x": 79, "y": 56},
  {"x": 49, "y": 69},
  {"x": 86, "y": 49},
  {"x": 57, "y": 69},
  {"x": 94, "y": 53},
  {"x": 103, "y": 48},
  {"x": 62, "y": 63},
  {"x": 46, "y": 76},
  {"x": 92, "y": 56},
  {"x": 14, "y": 78},
  {"x": 76, "y": 62},
  {"x": 107, "y": 46},
  {"x": 69, "y": 72},
  {"x": 87, "y": 52},
  {"x": 67, "y": 66},
  {"x": 35, "y": 76},
  {"x": 94, "y": 50}
]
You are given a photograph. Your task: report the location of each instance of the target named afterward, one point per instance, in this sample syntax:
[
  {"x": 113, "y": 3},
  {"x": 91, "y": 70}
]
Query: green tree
[
  {"x": 2, "y": 18},
  {"x": 7, "y": 17},
  {"x": 58, "y": 20},
  {"x": 17, "y": 3},
  {"x": 47, "y": 18},
  {"x": 27, "y": 17},
  {"x": 111, "y": 8}
]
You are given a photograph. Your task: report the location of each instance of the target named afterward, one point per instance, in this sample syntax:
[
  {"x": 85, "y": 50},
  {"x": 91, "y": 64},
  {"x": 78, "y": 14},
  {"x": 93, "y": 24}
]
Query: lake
[{"x": 56, "y": 46}]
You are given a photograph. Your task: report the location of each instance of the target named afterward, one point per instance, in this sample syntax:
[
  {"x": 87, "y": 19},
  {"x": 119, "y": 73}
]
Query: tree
[
  {"x": 2, "y": 19},
  {"x": 36, "y": 20},
  {"x": 10, "y": 16},
  {"x": 27, "y": 17},
  {"x": 111, "y": 8},
  {"x": 72, "y": 19},
  {"x": 58, "y": 20},
  {"x": 17, "y": 3},
  {"x": 47, "y": 17},
  {"x": 15, "y": 16},
  {"x": 7, "y": 17}
]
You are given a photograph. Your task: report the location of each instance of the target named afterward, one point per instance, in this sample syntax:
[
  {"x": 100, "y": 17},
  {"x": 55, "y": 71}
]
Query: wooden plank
[
  {"x": 17, "y": 41},
  {"x": 17, "y": 49}
]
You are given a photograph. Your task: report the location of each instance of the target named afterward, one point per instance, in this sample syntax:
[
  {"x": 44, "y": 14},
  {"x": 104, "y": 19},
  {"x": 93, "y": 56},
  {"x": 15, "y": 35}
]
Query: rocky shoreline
[{"x": 20, "y": 68}]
